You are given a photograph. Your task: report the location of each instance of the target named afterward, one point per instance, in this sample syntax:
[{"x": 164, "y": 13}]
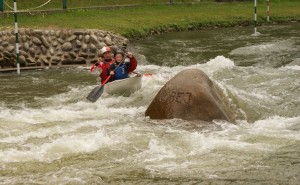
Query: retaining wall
[{"x": 55, "y": 47}]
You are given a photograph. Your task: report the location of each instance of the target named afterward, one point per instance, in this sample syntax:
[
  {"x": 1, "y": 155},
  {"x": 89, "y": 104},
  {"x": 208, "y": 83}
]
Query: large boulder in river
[{"x": 190, "y": 95}]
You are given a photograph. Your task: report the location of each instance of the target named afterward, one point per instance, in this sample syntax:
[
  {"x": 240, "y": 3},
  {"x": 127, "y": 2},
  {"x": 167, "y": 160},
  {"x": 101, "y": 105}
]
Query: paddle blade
[{"x": 95, "y": 94}]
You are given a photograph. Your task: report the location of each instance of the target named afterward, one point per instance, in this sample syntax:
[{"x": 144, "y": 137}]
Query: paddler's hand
[
  {"x": 129, "y": 54},
  {"x": 100, "y": 60},
  {"x": 112, "y": 73},
  {"x": 95, "y": 66}
]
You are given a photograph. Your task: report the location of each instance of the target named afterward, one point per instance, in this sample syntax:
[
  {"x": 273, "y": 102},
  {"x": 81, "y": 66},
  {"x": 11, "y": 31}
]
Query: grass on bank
[
  {"x": 58, "y": 4},
  {"x": 139, "y": 21}
]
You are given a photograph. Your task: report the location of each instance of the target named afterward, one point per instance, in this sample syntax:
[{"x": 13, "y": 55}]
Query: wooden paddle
[{"x": 97, "y": 91}]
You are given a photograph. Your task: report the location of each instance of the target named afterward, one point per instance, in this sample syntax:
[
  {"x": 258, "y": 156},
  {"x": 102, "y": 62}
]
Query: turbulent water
[{"x": 49, "y": 133}]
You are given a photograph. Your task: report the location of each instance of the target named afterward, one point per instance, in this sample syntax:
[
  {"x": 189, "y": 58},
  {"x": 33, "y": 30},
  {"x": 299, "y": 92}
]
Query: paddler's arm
[
  {"x": 133, "y": 62},
  {"x": 97, "y": 65}
]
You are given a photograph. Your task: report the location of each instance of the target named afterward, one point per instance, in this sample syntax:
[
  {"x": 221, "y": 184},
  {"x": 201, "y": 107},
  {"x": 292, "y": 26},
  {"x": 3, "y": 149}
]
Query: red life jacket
[
  {"x": 105, "y": 66},
  {"x": 132, "y": 66}
]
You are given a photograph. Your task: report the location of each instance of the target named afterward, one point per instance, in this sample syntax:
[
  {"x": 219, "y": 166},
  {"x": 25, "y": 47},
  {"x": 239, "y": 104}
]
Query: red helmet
[{"x": 105, "y": 49}]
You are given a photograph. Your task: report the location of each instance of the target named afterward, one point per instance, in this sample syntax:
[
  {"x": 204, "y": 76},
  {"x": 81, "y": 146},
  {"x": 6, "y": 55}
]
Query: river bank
[
  {"x": 142, "y": 21},
  {"x": 44, "y": 49}
]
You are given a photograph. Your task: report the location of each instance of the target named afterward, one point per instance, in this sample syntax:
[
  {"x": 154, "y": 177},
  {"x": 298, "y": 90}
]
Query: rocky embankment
[{"x": 55, "y": 47}]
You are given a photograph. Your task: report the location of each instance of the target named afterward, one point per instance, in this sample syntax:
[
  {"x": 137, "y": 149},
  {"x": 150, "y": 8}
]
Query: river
[{"x": 50, "y": 134}]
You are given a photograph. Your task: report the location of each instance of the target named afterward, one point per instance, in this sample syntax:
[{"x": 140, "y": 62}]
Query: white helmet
[{"x": 105, "y": 49}]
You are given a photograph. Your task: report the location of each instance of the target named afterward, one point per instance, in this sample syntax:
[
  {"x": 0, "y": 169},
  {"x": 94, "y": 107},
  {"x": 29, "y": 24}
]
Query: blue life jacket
[{"x": 121, "y": 72}]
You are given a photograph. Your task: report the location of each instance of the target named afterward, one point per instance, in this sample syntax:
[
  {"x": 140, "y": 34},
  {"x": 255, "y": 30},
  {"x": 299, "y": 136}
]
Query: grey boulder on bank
[{"x": 190, "y": 95}]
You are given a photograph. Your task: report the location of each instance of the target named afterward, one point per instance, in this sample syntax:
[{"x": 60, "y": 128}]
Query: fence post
[
  {"x": 171, "y": 2},
  {"x": 1, "y": 5},
  {"x": 254, "y": 16},
  {"x": 268, "y": 10},
  {"x": 65, "y": 6},
  {"x": 17, "y": 36}
]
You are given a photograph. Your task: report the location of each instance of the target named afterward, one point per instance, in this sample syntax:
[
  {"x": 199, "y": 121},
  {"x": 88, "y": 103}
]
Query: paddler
[
  {"x": 123, "y": 65},
  {"x": 103, "y": 64}
]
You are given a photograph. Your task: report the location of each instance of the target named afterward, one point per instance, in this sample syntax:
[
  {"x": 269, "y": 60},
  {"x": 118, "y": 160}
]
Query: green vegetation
[
  {"x": 140, "y": 21},
  {"x": 57, "y": 4}
]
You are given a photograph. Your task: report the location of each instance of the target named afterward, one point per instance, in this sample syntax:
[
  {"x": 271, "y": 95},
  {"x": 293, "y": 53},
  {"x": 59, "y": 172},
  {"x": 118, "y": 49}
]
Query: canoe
[{"x": 124, "y": 87}]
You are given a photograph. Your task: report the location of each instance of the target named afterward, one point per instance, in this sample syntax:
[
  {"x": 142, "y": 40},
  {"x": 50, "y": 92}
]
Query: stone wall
[{"x": 55, "y": 47}]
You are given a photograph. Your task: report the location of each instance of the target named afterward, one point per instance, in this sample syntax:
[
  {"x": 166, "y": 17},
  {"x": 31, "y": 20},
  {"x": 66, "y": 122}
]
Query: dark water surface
[{"x": 277, "y": 45}]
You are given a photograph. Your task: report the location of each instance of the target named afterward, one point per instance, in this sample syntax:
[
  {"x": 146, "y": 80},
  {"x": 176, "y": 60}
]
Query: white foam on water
[
  {"x": 156, "y": 151},
  {"x": 297, "y": 68},
  {"x": 18, "y": 136},
  {"x": 62, "y": 108},
  {"x": 164, "y": 74},
  {"x": 205, "y": 147},
  {"x": 277, "y": 127},
  {"x": 215, "y": 65},
  {"x": 61, "y": 113},
  {"x": 63, "y": 137},
  {"x": 84, "y": 67},
  {"x": 256, "y": 34},
  {"x": 74, "y": 94},
  {"x": 229, "y": 137},
  {"x": 65, "y": 145},
  {"x": 256, "y": 95},
  {"x": 64, "y": 176},
  {"x": 260, "y": 95},
  {"x": 132, "y": 111},
  {"x": 264, "y": 48},
  {"x": 168, "y": 167}
]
